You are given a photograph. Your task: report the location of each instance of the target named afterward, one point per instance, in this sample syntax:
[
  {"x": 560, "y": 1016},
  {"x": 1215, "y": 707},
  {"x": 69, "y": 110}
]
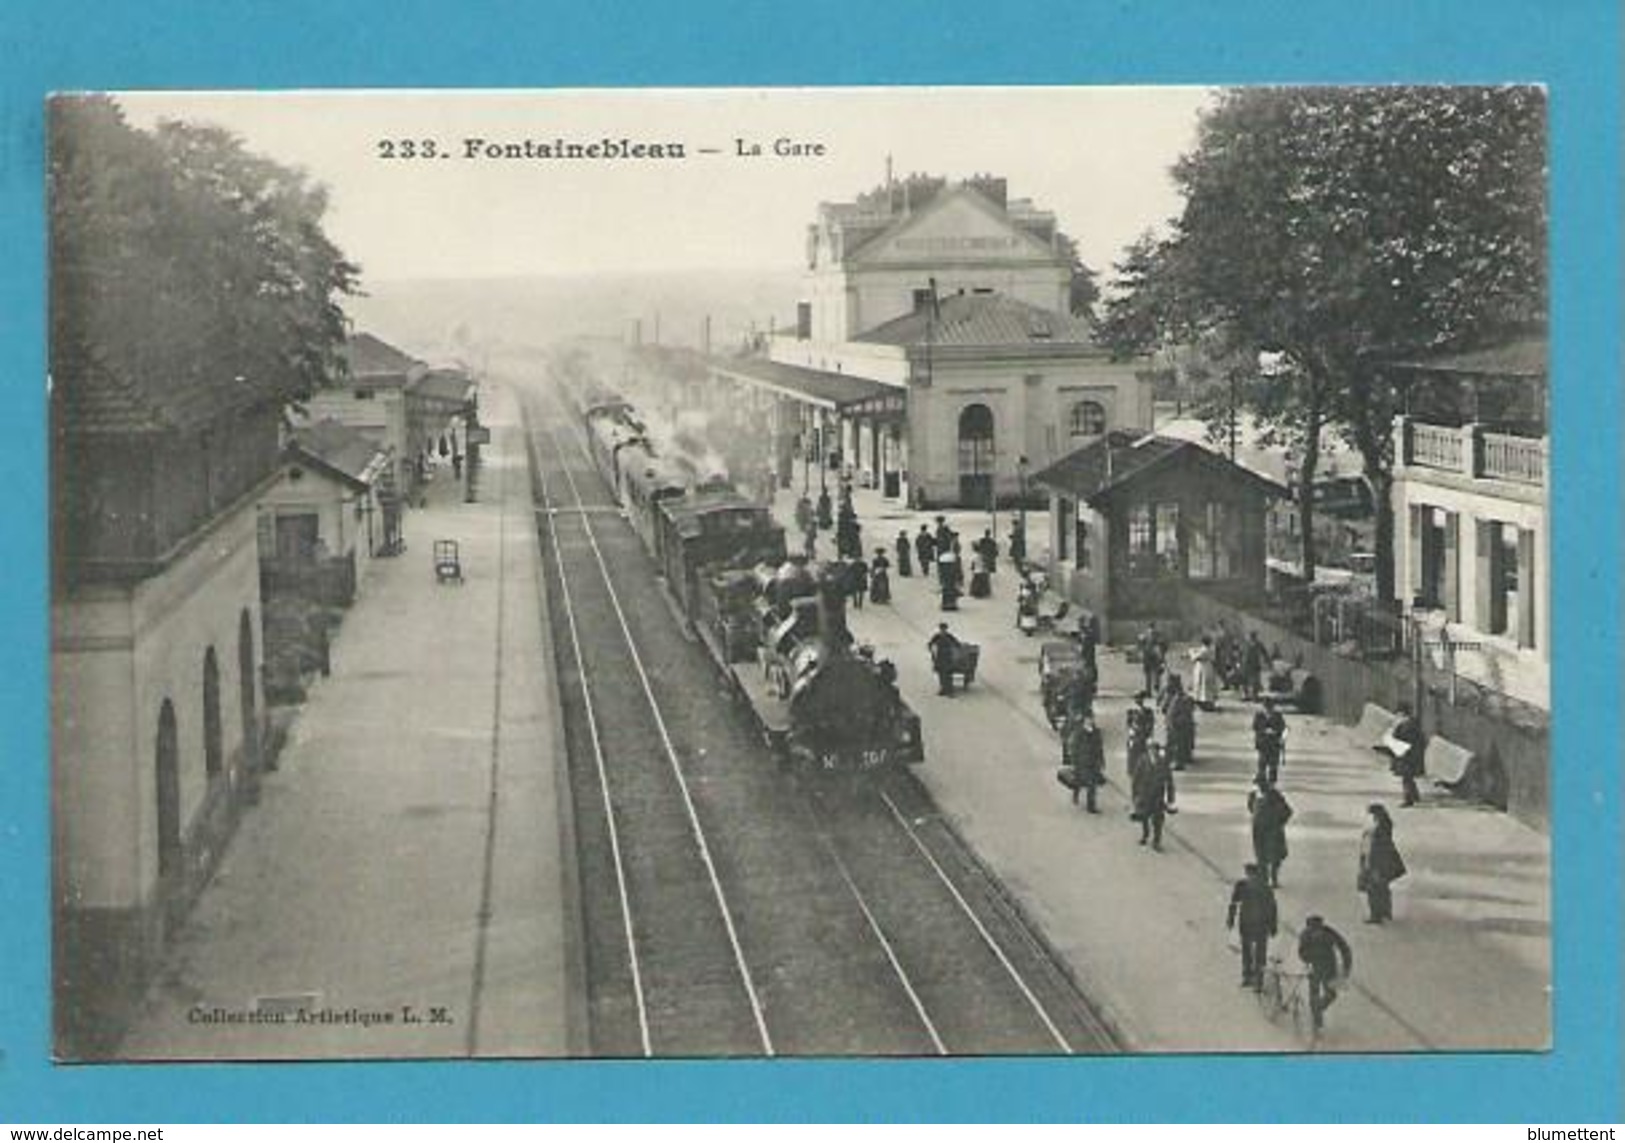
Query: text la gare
[{"x": 783, "y": 147}]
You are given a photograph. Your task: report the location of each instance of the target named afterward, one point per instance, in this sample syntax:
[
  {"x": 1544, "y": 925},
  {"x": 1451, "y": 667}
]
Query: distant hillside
[{"x": 441, "y": 317}]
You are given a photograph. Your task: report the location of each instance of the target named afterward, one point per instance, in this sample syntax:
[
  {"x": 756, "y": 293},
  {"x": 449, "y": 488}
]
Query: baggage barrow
[{"x": 448, "y": 564}]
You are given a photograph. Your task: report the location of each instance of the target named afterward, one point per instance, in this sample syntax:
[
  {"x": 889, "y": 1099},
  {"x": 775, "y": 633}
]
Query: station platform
[
  {"x": 401, "y": 878},
  {"x": 1466, "y": 965}
]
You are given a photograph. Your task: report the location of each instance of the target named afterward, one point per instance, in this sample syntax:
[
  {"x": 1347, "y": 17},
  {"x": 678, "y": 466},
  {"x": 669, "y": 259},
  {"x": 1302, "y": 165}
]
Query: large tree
[
  {"x": 1339, "y": 228},
  {"x": 1083, "y": 288},
  {"x": 179, "y": 255}
]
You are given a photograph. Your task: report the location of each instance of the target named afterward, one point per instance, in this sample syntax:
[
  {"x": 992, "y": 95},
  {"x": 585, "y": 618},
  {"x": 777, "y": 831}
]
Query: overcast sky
[{"x": 1098, "y": 157}]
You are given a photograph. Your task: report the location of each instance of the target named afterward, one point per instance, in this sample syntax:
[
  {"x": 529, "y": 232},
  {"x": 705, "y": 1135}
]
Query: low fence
[{"x": 1498, "y": 729}]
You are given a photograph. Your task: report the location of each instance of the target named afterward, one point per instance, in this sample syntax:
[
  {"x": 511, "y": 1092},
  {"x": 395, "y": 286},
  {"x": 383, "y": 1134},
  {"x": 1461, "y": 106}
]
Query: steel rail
[
  {"x": 987, "y": 937},
  {"x": 677, "y": 771},
  {"x": 603, "y": 774}
]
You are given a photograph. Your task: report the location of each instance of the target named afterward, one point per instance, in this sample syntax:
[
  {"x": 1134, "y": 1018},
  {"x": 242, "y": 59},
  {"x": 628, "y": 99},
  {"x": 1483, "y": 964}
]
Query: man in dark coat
[
  {"x": 1142, "y": 724},
  {"x": 858, "y": 573},
  {"x": 943, "y": 647},
  {"x": 945, "y": 535},
  {"x": 1151, "y": 785},
  {"x": 1083, "y": 751},
  {"x": 1153, "y": 654},
  {"x": 1253, "y": 660},
  {"x": 1180, "y": 709},
  {"x": 1269, "y": 739},
  {"x": 1088, "y": 640},
  {"x": 1406, "y": 747},
  {"x": 925, "y": 546},
  {"x": 1270, "y": 811},
  {"x": 1323, "y": 949},
  {"x": 1252, "y": 903}
]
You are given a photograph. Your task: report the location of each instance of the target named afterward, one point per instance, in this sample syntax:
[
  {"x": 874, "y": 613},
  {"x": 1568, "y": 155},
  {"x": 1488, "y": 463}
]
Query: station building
[
  {"x": 1471, "y": 539},
  {"x": 933, "y": 355},
  {"x": 157, "y": 703},
  {"x": 1135, "y": 519}
]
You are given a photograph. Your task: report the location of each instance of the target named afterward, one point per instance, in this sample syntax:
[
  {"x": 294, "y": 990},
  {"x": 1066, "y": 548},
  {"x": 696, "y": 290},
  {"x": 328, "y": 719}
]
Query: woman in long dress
[
  {"x": 1204, "y": 675},
  {"x": 1380, "y": 866}
]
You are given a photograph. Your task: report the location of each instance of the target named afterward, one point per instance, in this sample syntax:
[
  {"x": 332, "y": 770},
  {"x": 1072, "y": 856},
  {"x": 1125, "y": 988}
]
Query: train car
[
  {"x": 647, "y": 481},
  {"x": 707, "y": 532},
  {"x": 610, "y": 431}
]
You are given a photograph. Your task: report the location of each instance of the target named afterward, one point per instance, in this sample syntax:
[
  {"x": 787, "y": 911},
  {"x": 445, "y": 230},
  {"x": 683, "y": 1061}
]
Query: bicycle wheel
[
  {"x": 1269, "y": 994},
  {"x": 1303, "y": 1022}
]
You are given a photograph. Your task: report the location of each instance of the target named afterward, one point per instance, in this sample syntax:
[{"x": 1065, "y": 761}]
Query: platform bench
[
  {"x": 1375, "y": 723},
  {"x": 1446, "y": 762}
]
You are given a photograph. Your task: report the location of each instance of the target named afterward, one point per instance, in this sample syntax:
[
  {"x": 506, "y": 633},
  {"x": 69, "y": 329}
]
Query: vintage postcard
[{"x": 799, "y": 572}]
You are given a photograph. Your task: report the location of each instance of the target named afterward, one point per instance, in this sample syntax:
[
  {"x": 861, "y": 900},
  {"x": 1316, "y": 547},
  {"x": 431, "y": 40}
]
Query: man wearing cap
[
  {"x": 1252, "y": 902},
  {"x": 1269, "y": 739},
  {"x": 1082, "y": 751},
  {"x": 1321, "y": 948}
]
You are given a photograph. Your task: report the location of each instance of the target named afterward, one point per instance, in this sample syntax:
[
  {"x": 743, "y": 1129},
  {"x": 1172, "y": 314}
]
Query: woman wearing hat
[{"x": 1380, "y": 866}]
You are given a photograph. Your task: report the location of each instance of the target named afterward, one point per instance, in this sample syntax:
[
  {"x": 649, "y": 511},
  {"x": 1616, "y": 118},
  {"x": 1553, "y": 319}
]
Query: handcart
[{"x": 448, "y": 565}]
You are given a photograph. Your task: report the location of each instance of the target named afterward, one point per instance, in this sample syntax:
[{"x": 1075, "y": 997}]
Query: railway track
[{"x": 729, "y": 911}]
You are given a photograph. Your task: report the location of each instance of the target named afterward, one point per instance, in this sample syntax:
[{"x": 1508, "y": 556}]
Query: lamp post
[{"x": 1021, "y": 496}]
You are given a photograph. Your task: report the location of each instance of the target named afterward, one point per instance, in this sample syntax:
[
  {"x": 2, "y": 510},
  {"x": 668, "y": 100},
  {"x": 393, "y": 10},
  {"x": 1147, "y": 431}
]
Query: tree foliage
[
  {"x": 1342, "y": 227},
  {"x": 1083, "y": 288},
  {"x": 180, "y": 257}
]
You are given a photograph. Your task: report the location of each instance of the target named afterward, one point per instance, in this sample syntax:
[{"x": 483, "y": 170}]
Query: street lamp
[{"x": 1021, "y": 501}]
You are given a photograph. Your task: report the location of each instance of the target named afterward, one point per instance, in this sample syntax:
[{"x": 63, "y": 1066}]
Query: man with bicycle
[
  {"x": 1252, "y": 902},
  {"x": 1323, "y": 949}
]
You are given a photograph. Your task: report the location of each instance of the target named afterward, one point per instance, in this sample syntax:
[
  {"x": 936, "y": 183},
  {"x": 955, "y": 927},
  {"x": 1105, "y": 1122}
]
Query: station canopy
[{"x": 811, "y": 386}]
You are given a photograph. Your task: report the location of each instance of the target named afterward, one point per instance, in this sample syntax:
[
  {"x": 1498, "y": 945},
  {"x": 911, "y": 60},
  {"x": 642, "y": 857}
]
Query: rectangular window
[
  {"x": 1206, "y": 542},
  {"x": 1168, "y": 554},
  {"x": 1502, "y": 568},
  {"x": 1142, "y": 541}
]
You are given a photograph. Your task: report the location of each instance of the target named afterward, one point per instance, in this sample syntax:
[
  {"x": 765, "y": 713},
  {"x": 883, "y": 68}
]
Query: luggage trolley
[{"x": 448, "y": 565}]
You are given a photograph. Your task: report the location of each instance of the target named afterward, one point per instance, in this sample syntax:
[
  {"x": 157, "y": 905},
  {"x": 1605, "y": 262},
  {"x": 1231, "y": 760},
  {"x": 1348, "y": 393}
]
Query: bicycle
[{"x": 1283, "y": 991}]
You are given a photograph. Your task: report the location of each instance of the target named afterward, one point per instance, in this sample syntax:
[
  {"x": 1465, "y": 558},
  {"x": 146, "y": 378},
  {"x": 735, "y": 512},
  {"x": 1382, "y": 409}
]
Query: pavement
[
  {"x": 401, "y": 879},
  {"x": 1465, "y": 965}
]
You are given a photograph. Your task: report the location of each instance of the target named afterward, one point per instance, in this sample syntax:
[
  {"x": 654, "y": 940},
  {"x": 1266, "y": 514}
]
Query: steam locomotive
[{"x": 776, "y": 627}]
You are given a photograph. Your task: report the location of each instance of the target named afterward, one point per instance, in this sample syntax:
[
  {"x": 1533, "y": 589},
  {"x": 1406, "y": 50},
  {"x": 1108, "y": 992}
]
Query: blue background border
[{"x": 1572, "y": 45}]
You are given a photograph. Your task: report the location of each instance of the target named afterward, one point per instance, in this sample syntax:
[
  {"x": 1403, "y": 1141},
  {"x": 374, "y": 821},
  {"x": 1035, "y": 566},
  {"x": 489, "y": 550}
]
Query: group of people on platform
[
  {"x": 1151, "y": 766},
  {"x": 1220, "y": 660}
]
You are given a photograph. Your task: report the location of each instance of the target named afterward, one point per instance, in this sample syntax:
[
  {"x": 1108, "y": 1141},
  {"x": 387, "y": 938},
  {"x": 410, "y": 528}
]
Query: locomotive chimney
[{"x": 832, "y": 608}]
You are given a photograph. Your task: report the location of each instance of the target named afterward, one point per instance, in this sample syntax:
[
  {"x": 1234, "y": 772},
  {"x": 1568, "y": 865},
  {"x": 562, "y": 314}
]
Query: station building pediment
[{"x": 957, "y": 228}]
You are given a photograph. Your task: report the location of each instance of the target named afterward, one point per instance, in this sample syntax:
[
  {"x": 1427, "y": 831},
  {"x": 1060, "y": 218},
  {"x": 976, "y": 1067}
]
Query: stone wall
[{"x": 1520, "y": 743}]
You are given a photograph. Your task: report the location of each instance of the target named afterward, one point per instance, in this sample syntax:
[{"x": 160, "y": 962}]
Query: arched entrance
[
  {"x": 975, "y": 456},
  {"x": 246, "y": 690},
  {"x": 213, "y": 735},
  {"x": 169, "y": 791}
]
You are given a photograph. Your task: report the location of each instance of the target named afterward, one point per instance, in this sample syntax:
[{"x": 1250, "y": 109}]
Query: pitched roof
[
  {"x": 338, "y": 447},
  {"x": 1094, "y": 471},
  {"x": 451, "y": 385},
  {"x": 370, "y": 356},
  {"x": 984, "y": 320},
  {"x": 91, "y": 395}
]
